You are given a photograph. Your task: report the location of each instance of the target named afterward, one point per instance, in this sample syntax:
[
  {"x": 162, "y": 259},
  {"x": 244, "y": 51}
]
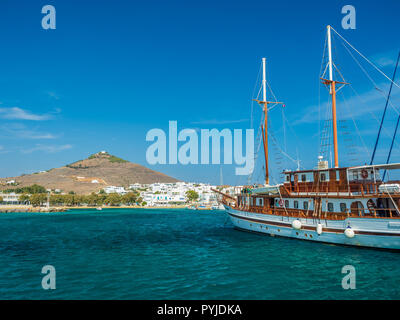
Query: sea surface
[{"x": 177, "y": 254}]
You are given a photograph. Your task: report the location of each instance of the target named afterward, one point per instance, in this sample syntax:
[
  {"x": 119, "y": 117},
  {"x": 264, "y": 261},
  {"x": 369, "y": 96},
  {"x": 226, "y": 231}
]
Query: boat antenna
[{"x": 383, "y": 117}]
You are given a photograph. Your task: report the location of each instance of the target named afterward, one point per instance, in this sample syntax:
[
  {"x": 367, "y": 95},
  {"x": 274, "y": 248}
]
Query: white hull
[{"x": 368, "y": 232}]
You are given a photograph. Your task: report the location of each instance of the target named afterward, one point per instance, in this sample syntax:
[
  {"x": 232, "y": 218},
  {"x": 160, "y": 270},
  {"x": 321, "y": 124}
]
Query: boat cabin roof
[
  {"x": 390, "y": 166},
  {"x": 312, "y": 170}
]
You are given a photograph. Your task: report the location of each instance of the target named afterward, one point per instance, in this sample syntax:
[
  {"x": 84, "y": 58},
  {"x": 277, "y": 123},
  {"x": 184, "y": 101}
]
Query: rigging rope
[
  {"x": 384, "y": 112},
  {"x": 355, "y": 124},
  {"x": 252, "y": 102},
  {"x": 283, "y": 152},
  {"x": 391, "y": 146},
  {"x": 366, "y": 59}
]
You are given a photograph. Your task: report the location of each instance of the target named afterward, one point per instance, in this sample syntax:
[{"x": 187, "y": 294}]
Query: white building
[
  {"x": 175, "y": 193},
  {"x": 114, "y": 189},
  {"x": 10, "y": 198},
  {"x": 136, "y": 186}
]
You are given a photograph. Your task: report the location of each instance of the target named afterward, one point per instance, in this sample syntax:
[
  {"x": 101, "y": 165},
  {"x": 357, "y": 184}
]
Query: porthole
[
  {"x": 305, "y": 234},
  {"x": 279, "y": 230},
  {"x": 297, "y": 233},
  {"x": 310, "y": 236}
]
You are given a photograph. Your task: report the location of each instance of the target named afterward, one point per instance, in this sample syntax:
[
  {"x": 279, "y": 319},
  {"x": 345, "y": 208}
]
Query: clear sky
[{"x": 113, "y": 70}]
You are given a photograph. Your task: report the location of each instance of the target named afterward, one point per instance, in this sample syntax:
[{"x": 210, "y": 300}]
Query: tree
[
  {"x": 38, "y": 199},
  {"x": 79, "y": 199},
  {"x": 68, "y": 199},
  {"x": 24, "y": 198},
  {"x": 35, "y": 188},
  {"x": 129, "y": 198},
  {"x": 1, "y": 199},
  {"x": 102, "y": 198},
  {"x": 114, "y": 199},
  {"x": 56, "y": 199},
  {"x": 92, "y": 199},
  {"x": 192, "y": 195},
  {"x": 144, "y": 203}
]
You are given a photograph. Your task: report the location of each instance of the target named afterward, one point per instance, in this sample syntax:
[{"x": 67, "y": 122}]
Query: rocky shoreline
[
  {"x": 21, "y": 208},
  {"x": 8, "y": 209}
]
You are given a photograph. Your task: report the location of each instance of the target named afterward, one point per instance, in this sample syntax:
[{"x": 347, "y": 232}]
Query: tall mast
[
  {"x": 264, "y": 82},
  {"x": 333, "y": 93},
  {"x": 264, "y": 128},
  {"x": 265, "y": 136},
  {"x": 330, "y": 54}
]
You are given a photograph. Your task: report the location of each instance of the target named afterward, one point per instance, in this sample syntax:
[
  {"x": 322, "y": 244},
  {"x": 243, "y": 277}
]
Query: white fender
[
  {"x": 319, "y": 228},
  {"x": 349, "y": 232},
  {"x": 296, "y": 224}
]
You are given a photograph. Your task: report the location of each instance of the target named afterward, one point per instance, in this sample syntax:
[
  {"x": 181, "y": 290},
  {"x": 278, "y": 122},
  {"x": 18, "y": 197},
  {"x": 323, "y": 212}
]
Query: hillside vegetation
[{"x": 89, "y": 175}]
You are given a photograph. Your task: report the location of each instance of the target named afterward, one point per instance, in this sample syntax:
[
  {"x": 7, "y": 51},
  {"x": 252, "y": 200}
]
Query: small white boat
[{"x": 99, "y": 208}]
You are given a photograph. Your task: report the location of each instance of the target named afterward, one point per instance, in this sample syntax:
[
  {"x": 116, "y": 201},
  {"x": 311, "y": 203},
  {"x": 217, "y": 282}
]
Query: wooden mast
[
  {"x": 333, "y": 93},
  {"x": 332, "y": 84},
  {"x": 264, "y": 129},
  {"x": 265, "y": 136}
]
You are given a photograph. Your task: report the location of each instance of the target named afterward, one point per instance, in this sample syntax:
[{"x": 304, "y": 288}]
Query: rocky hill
[{"x": 90, "y": 175}]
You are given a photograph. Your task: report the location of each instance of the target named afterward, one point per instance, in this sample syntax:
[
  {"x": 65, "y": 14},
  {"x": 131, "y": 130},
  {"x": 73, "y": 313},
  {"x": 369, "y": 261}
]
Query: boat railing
[
  {"x": 335, "y": 189},
  {"x": 349, "y": 213}
]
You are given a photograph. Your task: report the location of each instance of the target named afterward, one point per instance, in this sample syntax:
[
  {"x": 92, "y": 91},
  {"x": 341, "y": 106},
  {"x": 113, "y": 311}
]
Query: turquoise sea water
[{"x": 177, "y": 254}]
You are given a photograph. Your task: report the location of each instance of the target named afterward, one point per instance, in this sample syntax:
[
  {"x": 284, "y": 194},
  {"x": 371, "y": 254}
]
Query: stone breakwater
[{"x": 8, "y": 209}]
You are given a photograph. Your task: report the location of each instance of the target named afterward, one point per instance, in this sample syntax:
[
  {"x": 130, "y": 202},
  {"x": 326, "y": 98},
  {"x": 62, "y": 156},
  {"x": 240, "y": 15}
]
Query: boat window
[
  {"x": 355, "y": 175},
  {"x": 287, "y": 178},
  {"x": 305, "y": 205},
  {"x": 323, "y": 177},
  {"x": 286, "y": 203},
  {"x": 296, "y": 204},
  {"x": 343, "y": 207},
  {"x": 330, "y": 206},
  {"x": 303, "y": 178}
]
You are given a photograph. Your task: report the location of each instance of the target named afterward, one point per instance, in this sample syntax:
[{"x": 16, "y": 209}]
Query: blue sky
[{"x": 113, "y": 70}]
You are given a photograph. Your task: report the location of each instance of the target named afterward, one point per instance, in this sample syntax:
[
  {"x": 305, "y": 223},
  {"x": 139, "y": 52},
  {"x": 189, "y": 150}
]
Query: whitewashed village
[
  {"x": 98, "y": 181},
  {"x": 166, "y": 194},
  {"x": 179, "y": 194}
]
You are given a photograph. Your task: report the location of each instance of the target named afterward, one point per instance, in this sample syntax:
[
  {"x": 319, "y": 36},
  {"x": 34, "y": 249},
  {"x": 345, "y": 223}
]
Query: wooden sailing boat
[{"x": 340, "y": 205}]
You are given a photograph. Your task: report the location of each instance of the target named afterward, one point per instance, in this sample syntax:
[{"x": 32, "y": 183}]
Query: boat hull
[{"x": 368, "y": 232}]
